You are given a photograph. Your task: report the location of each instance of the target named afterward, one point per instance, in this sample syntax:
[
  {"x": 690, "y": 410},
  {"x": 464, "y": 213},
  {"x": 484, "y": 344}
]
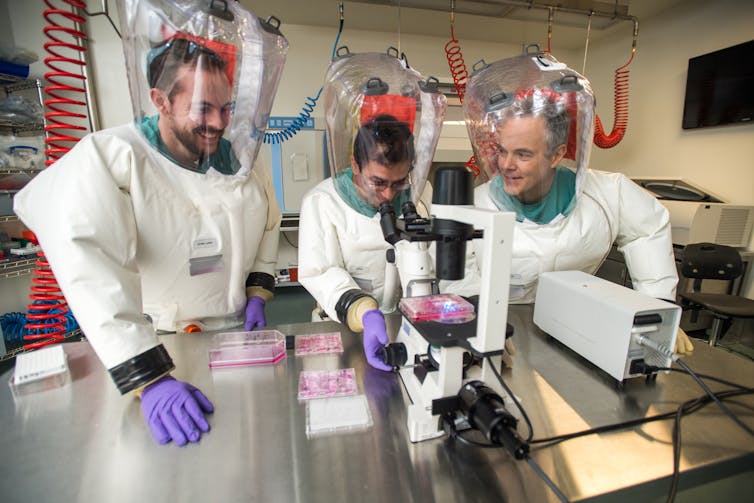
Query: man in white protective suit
[
  {"x": 381, "y": 146},
  {"x": 166, "y": 223},
  {"x": 530, "y": 120}
]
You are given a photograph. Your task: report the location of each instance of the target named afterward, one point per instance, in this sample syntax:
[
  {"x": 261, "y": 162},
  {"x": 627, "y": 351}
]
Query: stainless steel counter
[{"x": 85, "y": 443}]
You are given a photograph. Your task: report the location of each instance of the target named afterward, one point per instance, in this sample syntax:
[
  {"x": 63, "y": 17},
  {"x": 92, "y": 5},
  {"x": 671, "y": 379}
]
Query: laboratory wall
[{"x": 718, "y": 159}]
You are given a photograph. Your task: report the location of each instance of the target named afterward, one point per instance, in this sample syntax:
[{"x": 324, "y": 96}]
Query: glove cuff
[
  {"x": 256, "y": 299},
  {"x": 260, "y": 284},
  {"x": 344, "y": 308},
  {"x": 142, "y": 369},
  {"x": 357, "y": 312}
]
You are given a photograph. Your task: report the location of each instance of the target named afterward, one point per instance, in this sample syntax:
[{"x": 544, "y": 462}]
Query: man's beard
[{"x": 189, "y": 140}]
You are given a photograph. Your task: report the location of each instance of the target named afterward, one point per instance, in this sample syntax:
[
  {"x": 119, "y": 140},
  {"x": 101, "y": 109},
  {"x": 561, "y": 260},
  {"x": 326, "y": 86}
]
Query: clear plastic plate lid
[
  {"x": 233, "y": 349},
  {"x": 445, "y": 308}
]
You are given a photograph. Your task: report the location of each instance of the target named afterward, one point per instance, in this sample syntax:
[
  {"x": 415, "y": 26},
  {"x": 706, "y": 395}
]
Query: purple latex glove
[
  {"x": 174, "y": 410},
  {"x": 375, "y": 338},
  {"x": 255, "y": 313}
]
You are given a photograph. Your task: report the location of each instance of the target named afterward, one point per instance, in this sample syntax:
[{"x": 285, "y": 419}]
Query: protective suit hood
[
  {"x": 378, "y": 109},
  {"x": 530, "y": 119},
  {"x": 202, "y": 76}
]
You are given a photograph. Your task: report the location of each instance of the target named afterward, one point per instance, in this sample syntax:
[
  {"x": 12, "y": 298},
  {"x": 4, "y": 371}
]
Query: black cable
[
  {"x": 697, "y": 403},
  {"x": 677, "y": 442},
  {"x": 667, "y": 353},
  {"x": 453, "y": 433},
  {"x": 287, "y": 239},
  {"x": 546, "y": 479},
  {"x": 720, "y": 404},
  {"x": 703, "y": 376},
  {"x": 676, "y": 454},
  {"x": 515, "y": 400}
]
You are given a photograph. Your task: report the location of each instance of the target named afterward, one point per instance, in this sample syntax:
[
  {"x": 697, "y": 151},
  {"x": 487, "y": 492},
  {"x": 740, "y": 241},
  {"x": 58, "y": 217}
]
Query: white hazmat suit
[
  {"x": 143, "y": 235},
  {"x": 340, "y": 249},
  {"x": 611, "y": 209}
]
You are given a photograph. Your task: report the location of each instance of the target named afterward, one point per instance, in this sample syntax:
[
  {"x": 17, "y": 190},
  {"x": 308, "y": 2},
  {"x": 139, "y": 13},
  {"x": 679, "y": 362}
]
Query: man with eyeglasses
[
  {"x": 379, "y": 173},
  {"x": 167, "y": 224},
  {"x": 383, "y": 122}
]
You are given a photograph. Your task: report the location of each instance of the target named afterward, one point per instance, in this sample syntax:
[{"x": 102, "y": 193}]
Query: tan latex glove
[
  {"x": 510, "y": 350},
  {"x": 683, "y": 346}
]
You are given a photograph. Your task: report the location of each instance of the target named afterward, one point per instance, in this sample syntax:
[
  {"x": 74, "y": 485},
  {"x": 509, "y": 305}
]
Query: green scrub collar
[{"x": 560, "y": 200}]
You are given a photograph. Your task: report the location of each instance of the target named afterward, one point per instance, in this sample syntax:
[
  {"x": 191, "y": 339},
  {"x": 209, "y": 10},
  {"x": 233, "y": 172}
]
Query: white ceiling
[{"x": 432, "y": 17}]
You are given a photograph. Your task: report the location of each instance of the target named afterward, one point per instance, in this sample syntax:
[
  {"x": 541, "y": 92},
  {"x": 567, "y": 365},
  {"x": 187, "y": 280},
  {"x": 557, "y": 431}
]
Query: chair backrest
[{"x": 711, "y": 261}]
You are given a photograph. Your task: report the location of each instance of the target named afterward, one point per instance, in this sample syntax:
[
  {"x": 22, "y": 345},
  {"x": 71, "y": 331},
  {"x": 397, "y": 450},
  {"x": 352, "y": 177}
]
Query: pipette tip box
[
  {"x": 238, "y": 349},
  {"x": 40, "y": 370}
]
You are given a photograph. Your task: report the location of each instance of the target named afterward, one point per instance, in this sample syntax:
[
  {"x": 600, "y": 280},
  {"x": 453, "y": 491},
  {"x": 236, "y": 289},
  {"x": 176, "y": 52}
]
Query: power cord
[
  {"x": 513, "y": 397},
  {"x": 453, "y": 433},
  {"x": 554, "y": 488},
  {"x": 686, "y": 408},
  {"x": 666, "y": 352}
]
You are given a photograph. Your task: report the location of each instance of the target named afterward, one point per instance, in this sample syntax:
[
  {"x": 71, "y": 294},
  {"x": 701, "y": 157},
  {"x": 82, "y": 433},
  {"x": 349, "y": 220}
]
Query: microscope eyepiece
[
  {"x": 387, "y": 223},
  {"x": 409, "y": 211}
]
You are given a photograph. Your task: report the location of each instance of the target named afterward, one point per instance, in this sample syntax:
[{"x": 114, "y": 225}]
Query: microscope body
[{"x": 435, "y": 350}]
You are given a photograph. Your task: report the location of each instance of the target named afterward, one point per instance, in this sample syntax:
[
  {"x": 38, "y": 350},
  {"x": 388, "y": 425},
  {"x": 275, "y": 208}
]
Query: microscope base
[
  {"x": 422, "y": 425},
  {"x": 435, "y": 384}
]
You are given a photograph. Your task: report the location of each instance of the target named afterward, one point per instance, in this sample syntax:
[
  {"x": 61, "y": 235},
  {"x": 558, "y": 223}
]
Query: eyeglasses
[{"x": 380, "y": 185}]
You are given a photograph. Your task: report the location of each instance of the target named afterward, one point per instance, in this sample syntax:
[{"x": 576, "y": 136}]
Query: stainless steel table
[{"x": 85, "y": 443}]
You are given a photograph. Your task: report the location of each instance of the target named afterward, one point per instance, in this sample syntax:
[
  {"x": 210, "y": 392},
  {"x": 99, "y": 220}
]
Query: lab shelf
[
  {"x": 289, "y": 222},
  {"x": 14, "y": 268},
  {"x": 19, "y": 128},
  {"x": 19, "y": 171},
  {"x": 20, "y": 85},
  {"x": 14, "y": 85}
]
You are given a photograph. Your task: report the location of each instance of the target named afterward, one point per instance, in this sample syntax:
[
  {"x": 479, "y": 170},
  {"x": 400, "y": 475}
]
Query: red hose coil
[
  {"x": 64, "y": 80},
  {"x": 456, "y": 64},
  {"x": 620, "y": 125},
  {"x": 47, "y": 316},
  {"x": 46, "y": 320},
  {"x": 460, "y": 75}
]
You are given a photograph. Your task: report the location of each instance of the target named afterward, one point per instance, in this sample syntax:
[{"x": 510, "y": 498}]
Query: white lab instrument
[
  {"x": 699, "y": 216},
  {"x": 598, "y": 319},
  {"x": 719, "y": 223}
]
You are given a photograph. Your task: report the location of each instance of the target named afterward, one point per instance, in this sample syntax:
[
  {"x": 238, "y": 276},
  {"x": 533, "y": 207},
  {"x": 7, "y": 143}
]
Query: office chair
[{"x": 711, "y": 261}]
